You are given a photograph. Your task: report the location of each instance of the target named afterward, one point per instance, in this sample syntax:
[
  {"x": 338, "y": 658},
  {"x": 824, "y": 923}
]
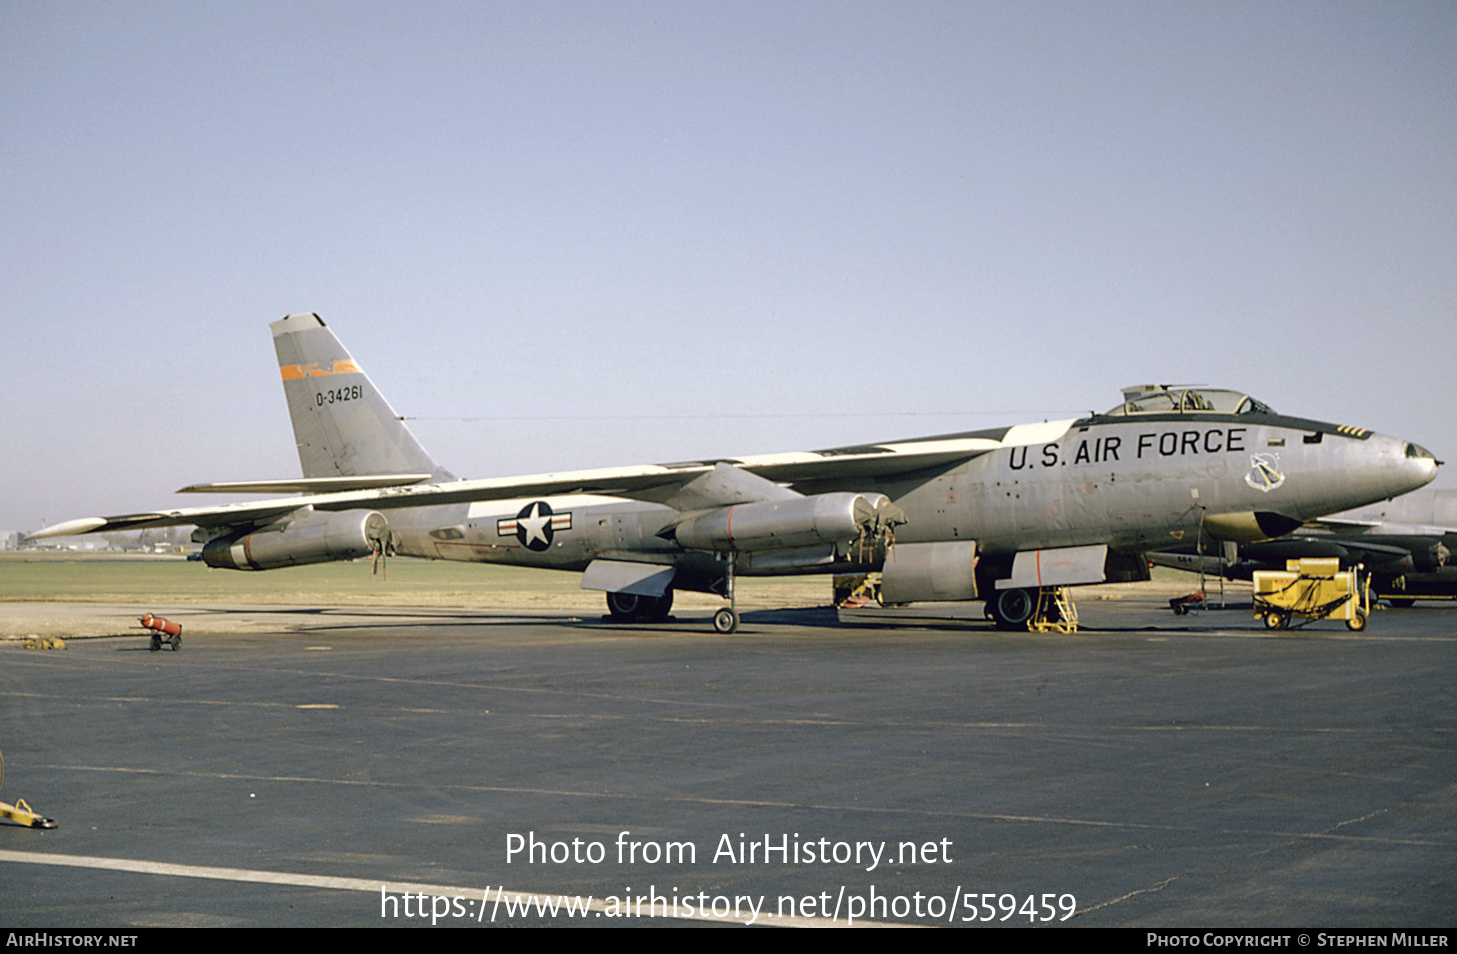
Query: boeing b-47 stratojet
[{"x": 1000, "y": 515}]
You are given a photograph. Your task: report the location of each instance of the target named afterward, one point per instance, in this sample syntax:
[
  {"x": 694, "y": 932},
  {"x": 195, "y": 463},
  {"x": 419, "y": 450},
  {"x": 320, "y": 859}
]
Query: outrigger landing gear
[{"x": 726, "y": 620}]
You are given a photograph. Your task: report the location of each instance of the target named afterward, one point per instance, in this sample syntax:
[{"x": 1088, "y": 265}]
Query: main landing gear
[
  {"x": 1037, "y": 609},
  {"x": 632, "y": 608},
  {"x": 1011, "y": 609}
]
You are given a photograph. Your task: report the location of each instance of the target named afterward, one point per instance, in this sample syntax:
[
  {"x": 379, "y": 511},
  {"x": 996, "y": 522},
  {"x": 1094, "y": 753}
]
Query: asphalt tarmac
[{"x": 417, "y": 768}]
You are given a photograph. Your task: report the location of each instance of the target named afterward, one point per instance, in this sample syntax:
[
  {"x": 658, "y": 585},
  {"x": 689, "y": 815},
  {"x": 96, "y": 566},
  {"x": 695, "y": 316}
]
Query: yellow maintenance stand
[
  {"x": 1312, "y": 589},
  {"x": 1055, "y": 611},
  {"x": 20, "y": 812}
]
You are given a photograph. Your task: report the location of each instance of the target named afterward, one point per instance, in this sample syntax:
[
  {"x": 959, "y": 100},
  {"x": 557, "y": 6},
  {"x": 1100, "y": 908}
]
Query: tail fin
[{"x": 343, "y": 426}]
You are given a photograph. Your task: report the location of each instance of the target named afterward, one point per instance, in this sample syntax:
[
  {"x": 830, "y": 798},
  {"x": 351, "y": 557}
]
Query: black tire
[
  {"x": 1356, "y": 623},
  {"x": 1013, "y": 608},
  {"x": 725, "y": 621},
  {"x": 632, "y": 608}
]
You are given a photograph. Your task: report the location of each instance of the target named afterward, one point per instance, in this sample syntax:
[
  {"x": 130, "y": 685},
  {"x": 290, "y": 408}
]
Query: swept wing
[{"x": 652, "y": 482}]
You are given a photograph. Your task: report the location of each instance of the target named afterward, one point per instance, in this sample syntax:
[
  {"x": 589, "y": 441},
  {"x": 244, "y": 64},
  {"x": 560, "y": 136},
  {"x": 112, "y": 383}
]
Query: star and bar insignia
[{"x": 535, "y": 525}]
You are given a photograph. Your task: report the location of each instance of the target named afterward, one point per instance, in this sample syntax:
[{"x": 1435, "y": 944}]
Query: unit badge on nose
[
  {"x": 535, "y": 525},
  {"x": 1264, "y": 473}
]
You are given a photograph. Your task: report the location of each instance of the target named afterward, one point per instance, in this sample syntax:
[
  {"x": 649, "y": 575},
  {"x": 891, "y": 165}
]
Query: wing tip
[{"x": 69, "y": 528}]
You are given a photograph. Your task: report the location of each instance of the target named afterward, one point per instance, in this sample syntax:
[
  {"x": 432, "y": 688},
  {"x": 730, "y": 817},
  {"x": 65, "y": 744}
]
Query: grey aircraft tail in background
[{"x": 1000, "y": 515}]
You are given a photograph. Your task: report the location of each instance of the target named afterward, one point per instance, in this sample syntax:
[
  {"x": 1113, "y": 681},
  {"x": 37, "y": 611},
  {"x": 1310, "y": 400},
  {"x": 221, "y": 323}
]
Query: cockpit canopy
[{"x": 1163, "y": 399}]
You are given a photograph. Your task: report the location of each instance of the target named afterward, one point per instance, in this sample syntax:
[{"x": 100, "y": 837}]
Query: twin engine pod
[
  {"x": 779, "y": 524},
  {"x": 310, "y": 537}
]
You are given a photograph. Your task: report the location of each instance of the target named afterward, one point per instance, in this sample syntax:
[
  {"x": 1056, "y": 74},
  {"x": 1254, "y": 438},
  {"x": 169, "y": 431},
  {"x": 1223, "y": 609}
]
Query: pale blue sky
[{"x": 568, "y": 235}]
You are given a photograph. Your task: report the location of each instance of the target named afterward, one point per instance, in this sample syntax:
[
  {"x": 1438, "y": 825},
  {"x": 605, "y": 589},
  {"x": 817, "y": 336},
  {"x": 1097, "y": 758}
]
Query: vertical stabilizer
[{"x": 342, "y": 425}]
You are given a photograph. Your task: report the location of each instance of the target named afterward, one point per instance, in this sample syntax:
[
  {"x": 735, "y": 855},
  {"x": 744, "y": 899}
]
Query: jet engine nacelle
[
  {"x": 310, "y": 537},
  {"x": 837, "y": 518}
]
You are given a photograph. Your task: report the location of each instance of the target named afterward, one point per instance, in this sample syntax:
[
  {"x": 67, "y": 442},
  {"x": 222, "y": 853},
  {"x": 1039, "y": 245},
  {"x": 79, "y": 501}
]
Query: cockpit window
[
  {"x": 1157, "y": 399},
  {"x": 1163, "y": 402}
]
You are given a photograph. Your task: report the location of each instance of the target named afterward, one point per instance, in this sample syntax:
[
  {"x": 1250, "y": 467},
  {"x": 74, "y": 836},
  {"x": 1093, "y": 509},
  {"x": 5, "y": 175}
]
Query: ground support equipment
[
  {"x": 1311, "y": 589},
  {"x": 1055, "y": 611},
  {"x": 163, "y": 631}
]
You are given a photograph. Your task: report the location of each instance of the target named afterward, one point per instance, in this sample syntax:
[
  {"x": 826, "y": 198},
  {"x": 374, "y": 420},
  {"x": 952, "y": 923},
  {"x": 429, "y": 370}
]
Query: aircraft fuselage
[{"x": 1132, "y": 483}]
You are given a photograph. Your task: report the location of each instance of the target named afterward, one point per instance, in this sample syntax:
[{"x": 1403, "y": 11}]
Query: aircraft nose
[
  {"x": 1418, "y": 452},
  {"x": 1379, "y": 468},
  {"x": 1416, "y": 467}
]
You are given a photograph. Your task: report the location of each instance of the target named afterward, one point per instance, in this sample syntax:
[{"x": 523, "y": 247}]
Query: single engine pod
[{"x": 310, "y": 537}]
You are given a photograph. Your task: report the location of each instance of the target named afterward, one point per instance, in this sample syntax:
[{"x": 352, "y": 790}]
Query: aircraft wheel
[
  {"x": 725, "y": 621},
  {"x": 631, "y": 608},
  {"x": 1011, "y": 609},
  {"x": 622, "y": 606},
  {"x": 1403, "y": 603},
  {"x": 1356, "y": 623},
  {"x": 659, "y": 607}
]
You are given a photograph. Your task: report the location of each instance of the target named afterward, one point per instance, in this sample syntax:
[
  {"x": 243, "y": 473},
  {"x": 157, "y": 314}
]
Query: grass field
[{"x": 71, "y": 577}]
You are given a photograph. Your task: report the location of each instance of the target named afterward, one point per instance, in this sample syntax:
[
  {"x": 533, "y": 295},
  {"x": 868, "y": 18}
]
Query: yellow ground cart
[{"x": 1312, "y": 589}]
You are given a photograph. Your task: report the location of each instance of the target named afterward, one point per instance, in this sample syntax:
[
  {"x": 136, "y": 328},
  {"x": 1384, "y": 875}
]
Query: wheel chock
[{"x": 21, "y": 812}]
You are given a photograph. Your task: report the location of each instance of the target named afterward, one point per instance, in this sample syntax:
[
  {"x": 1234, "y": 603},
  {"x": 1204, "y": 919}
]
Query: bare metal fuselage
[{"x": 1132, "y": 484}]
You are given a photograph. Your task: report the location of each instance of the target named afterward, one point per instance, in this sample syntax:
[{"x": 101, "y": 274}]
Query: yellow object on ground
[
  {"x": 20, "y": 812},
  {"x": 1311, "y": 589}
]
